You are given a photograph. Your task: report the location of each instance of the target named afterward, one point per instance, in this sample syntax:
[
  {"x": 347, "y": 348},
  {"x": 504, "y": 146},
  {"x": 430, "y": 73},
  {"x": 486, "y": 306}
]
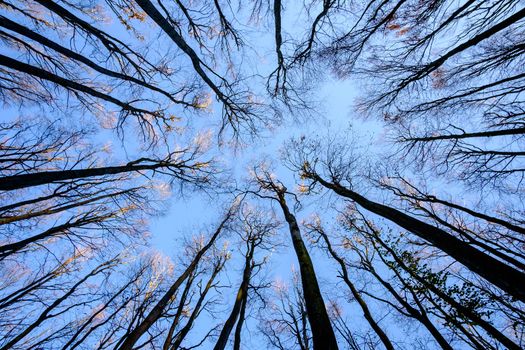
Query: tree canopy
[{"x": 262, "y": 175}]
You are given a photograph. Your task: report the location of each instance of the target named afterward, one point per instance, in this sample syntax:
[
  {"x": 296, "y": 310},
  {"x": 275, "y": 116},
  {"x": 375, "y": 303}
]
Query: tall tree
[
  {"x": 490, "y": 268},
  {"x": 156, "y": 312},
  {"x": 255, "y": 232},
  {"x": 322, "y": 332}
]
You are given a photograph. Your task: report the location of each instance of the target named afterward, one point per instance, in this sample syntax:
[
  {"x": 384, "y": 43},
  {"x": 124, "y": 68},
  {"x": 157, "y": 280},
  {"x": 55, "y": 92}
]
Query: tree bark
[
  {"x": 322, "y": 332},
  {"x": 240, "y": 300},
  {"x": 503, "y": 276},
  {"x": 14, "y": 182}
]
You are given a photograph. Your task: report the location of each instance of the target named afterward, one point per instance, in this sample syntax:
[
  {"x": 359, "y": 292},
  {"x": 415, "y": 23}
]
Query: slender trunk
[
  {"x": 156, "y": 312},
  {"x": 12, "y": 206},
  {"x": 14, "y": 182},
  {"x": 65, "y": 83},
  {"x": 322, "y": 333},
  {"x": 466, "y": 135},
  {"x": 12, "y": 248},
  {"x": 497, "y": 251},
  {"x": 51, "y": 211},
  {"x": 180, "y": 308},
  {"x": 108, "y": 319},
  {"x": 238, "y": 328},
  {"x": 479, "y": 344},
  {"x": 196, "y": 310},
  {"x": 505, "y": 277},
  {"x": 240, "y": 300},
  {"x": 488, "y": 218},
  {"x": 357, "y": 296}
]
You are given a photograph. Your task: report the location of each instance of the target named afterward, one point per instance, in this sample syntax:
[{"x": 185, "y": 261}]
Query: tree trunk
[
  {"x": 322, "y": 332},
  {"x": 14, "y": 182},
  {"x": 240, "y": 300},
  {"x": 196, "y": 310},
  {"x": 505, "y": 277},
  {"x": 357, "y": 296},
  {"x": 155, "y": 313}
]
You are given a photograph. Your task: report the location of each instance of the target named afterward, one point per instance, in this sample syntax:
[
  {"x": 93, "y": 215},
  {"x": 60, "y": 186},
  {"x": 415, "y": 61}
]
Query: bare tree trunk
[
  {"x": 14, "y": 182},
  {"x": 196, "y": 310},
  {"x": 505, "y": 277},
  {"x": 66, "y": 83},
  {"x": 50, "y": 211},
  {"x": 357, "y": 296},
  {"x": 238, "y": 328},
  {"x": 12, "y": 248},
  {"x": 180, "y": 308},
  {"x": 240, "y": 300},
  {"x": 322, "y": 332},
  {"x": 153, "y": 316}
]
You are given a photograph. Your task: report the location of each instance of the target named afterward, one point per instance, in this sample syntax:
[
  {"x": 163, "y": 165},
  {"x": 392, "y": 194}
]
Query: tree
[
  {"x": 493, "y": 270},
  {"x": 255, "y": 232},
  {"x": 285, "y": 322},
  {"x": 118, "y": 112},
  {"x": 322, "y": 332}
]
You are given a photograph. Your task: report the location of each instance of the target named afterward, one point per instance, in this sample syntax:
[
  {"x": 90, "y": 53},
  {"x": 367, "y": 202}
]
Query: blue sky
[{"x": 197, "y": 212}]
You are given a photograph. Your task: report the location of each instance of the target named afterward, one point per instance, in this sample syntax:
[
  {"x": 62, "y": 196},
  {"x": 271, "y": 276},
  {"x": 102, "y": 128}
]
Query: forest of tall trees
[{"x": 218, "y": 174}]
